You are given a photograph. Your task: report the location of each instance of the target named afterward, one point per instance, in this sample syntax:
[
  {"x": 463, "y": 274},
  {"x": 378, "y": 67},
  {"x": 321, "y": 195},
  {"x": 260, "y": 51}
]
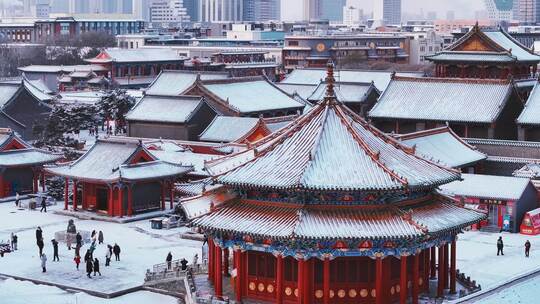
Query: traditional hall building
[
  {"x": 476, "y": 108},
  {"x": 305, "y": 227},
  {"x": 486, "y": 54},
  {"x": 119, "y": 177},
  {"x": 21, "y": 165}
]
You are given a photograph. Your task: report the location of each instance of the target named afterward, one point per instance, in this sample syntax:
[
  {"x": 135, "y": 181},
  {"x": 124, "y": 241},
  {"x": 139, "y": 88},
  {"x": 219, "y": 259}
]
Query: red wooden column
[
  {"x": 379, "y": 299},
  {"x": 111, "y": 204},
  {"x": 163, "y": 196},
  {"x": 453, "y": 267},
  {"x": 218, "y": 284},
  {"x": 121, "y": 199},
  {"x": 301, "y": 280},
  {"x": 226, "y": 261},
  {"x": 440, "y": 279},
  {"x": 326, "y": 280},
  {"x": 130, "y": 201},
  {"x": 172, "y": 195},
  {"x": 74, "y": 195},
  {"x": 415, "y": 279},
  {"x": 66, "y": 194},
  {"x": 35, "y": 178},
  {"x": 446, "y": 260},
  {"x": 426, "y": 269},
  {"x": 239, "y": 269},
  {"x": 403, "y": 290},
  {"x": 43, "y": 181},
  {"x": 211, "y": 259},
  {"x": 433, "y": 260},
  {"x": 279, "y": 279}
]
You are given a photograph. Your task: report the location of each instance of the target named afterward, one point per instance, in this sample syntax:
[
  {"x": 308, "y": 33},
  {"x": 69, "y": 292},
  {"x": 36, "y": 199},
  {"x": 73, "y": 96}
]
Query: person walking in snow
[
  {"x": 100, "y": 237},
  {"x": 527, "y": 248},
  {"x": 55, "y": 250},
  {"x": 77, "y": 260},
  {"x": 184, "y": 263},
  {"x": 195, "y": 264},
  {"x": 96, "y": 267},
  {"x": 14, "y": 240},
  {"x": 108, "y": 258},
  {"x": 500, "y": 246},
  {"x": 116, "y": 251},
  {"x": 78, "y": 238},
  {"x": 44, "y": 262},
  {"x": 40, "y": 245},
  {"x": 17, "y": 199},
  {"x": 169, "y": 260},
  {"x": 89, "y": 268},
  {"x": 43, "y": 205}
]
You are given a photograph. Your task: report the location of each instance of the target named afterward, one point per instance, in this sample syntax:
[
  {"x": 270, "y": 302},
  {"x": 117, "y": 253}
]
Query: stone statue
[{"x": 71, "y": 227}]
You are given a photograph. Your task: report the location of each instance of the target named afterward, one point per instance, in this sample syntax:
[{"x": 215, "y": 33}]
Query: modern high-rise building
[
  {"x": 262, "y": 10},
  {"x": 192, "y": 9},
  {"x": 527, "y": 11},
  {"x": 221, "y": 10},
  {"x": 331, "y": 10},
  {"x": 388, "y": 11},
  {"x": 501, "y": 10},
  {"x": 168, "y": 13},
  {"x": 141, "y": 9},
  {"x": 352, "y": 15}
]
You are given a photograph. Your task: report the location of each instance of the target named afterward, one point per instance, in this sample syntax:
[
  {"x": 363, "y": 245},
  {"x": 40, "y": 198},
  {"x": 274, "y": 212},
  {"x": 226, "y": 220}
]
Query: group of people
[
  {"x": 43, "y": 202},
  {"x": 500, "y": 247},
  {"x": 92, "y": 263},
  {"x": 183, "y": 261}
]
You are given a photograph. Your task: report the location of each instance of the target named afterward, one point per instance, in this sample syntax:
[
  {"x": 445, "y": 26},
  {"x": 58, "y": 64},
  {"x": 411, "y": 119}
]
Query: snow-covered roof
[
  {"x": 528, "y": 171},
  {"x": 345, "y": 92},
  {"x": 7, "y": 92},
  {"x": 62, "y": 68},
  {"x": 166, "y": 109},
  {"x": 177, "y": 82},
  {"x": 248, "y": 95},
  {"x": 313, "y": 76},
  {"x": 531, "y": 112},
  {"x": 37, "y": 91},
  {"x": 487, "y": 187},
  {"x": 287, "y": 221},
  {"x": 186, "y": 158},
  {"x": 510, "y": 44},
  {"x": 303, "y": 90},
  {"x": 443, "y": 145},
  {"x": 110, "y": 161},
  {"x": 441, "y": 99},
  {"x": 200, "y": 205},
  {"x": 330, "y": 149},
  {"x": 230, "y": 128},
  {"x": 40, "y": 85},
  {"x": 26, "y": 157},
  {"x": 136, "y": 55},
  {"x": 80, "y": 97}
]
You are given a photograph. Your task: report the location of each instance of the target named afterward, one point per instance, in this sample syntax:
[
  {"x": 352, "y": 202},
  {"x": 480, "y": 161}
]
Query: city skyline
[{"x": 292, "y": 10}]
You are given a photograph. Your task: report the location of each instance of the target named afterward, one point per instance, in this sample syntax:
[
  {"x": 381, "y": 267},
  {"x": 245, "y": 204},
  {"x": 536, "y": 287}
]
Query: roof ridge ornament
[{"x": 330, "y": 82}]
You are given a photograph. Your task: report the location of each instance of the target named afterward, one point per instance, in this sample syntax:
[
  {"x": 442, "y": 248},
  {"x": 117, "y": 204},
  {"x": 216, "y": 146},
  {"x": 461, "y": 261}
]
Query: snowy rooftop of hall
[
  {"x": 347, "y": 92},
  {"x": 168, "y": 109},
  {"x": 177, "y": 82},
  {"x": 231, "y": 129},
  {"x": 531, "y": 112},
  {"x": 443, "y": 145},
  {"x": 314, "y": 76},
  {"x": 251, "y": 94},
  {"x": 487, "y": 186},
  {"x": 111, "y": 161},
  {"x": 443, "y": 99},
  {"x": 119, "y": 55}
]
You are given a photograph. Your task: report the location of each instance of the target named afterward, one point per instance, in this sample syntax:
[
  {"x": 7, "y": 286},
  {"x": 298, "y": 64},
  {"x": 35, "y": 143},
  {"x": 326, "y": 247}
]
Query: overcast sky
[{"x": 292, "y": 9}]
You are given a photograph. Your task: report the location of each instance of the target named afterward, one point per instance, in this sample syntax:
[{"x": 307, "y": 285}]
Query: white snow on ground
[
  {"x": 526, "y": 292},
  {"x": 20, "y": 292},
  {"x": 141, "y": 247},
  {"x": 477, "y": 256}
]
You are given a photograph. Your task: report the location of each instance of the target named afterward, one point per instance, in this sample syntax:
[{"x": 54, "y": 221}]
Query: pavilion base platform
[
  {"x": 90, "y": 215},
  {"x": 204, "y": 288}
]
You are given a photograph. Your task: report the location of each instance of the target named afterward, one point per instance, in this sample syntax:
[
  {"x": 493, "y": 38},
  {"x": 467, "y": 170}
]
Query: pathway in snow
[{"x": 141, "y": 246}]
